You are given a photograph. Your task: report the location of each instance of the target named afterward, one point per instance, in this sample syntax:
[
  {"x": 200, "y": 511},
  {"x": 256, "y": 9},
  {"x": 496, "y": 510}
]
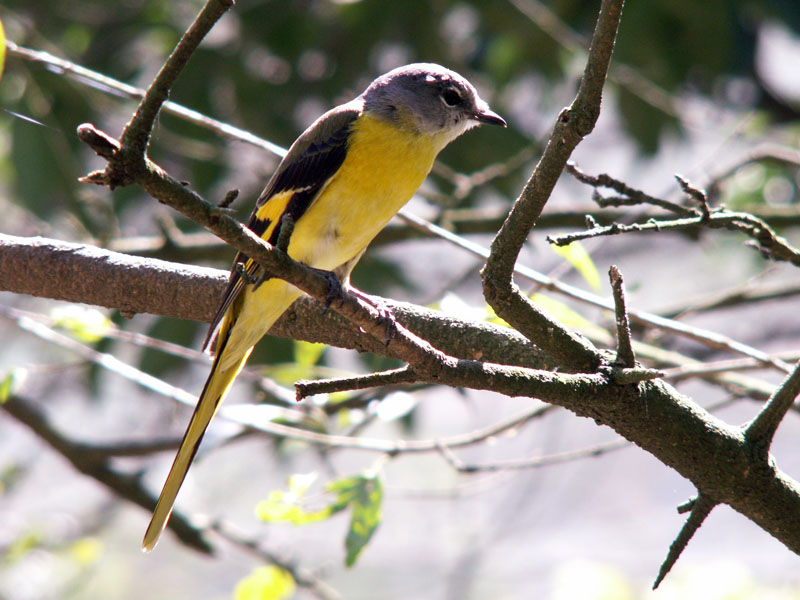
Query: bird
[{"x": 340, "y": 183}]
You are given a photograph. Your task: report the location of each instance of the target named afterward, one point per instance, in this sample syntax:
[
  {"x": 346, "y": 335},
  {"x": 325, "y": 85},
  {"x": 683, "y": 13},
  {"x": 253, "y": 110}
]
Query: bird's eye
[{"x": 451, "y": 97}]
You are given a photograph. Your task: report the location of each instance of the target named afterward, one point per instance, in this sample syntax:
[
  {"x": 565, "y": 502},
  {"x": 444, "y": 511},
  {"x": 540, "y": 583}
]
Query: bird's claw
[{"x": 336, "y": 291}]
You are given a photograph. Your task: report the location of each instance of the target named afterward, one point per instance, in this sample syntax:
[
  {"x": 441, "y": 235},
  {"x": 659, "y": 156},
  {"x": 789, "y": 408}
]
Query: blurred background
[{"x": 709, "y": 90}]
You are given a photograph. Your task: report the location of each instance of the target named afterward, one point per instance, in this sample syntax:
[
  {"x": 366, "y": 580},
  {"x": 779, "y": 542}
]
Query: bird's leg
[
  {"x": 255, "y": 277},
  {"x": 336, "y": 291}
]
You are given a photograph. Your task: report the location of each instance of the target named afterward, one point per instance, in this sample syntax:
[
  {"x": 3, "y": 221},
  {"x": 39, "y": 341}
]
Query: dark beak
[{"x": 489, "y": 117}]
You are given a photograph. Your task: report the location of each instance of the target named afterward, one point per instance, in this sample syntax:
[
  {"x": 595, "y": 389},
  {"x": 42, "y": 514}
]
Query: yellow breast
[{"x": 383, "y": 168}]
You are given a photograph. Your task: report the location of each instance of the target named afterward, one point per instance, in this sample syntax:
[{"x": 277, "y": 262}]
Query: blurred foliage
[
  {"x": 272, "y": 67},
  {"x": 577, "y": 256},
  {"x": 11, "y": 381},
  {"x": 265, "y": 583},
  {"x": 362, "y": 493},
  {"x": 2, "y": 48}
]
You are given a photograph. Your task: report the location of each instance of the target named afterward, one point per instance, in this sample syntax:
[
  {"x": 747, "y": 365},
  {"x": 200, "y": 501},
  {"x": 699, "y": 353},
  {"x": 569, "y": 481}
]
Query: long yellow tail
[{"x": 213, "y": 393}]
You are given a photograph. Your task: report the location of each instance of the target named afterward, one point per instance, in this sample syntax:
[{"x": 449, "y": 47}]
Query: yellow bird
[{"x": 341, "y": 182}]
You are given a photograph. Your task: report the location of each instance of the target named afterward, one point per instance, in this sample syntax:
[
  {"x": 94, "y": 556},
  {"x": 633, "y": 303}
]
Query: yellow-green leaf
[
  {"x": 86, "y": 551},
  {"x": 2, "y": 49},
  {"x": 283, "y": 506},
  {"x": 561, "y": 312},
  {"x": 87, "y": 324},
  {"x": 21, "y": 546},
  {"x": 11, "y": 382},
  {"x": 265, "y": 583},
  {"x": 307, "y": 354},
  {"x": 576, "y": 255},
  {"x": 364, "y": 495}
]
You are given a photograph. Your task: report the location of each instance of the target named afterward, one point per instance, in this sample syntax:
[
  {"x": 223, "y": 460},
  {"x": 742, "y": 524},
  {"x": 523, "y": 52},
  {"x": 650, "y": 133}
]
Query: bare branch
[
  {"x": 764, "y": 238},
  {"x": 532, "y": 463},
  {"x": 87, "y": 462},
  {"x": 136, "y": 134},
  {"x": 696, "y": 194},
  {"x": 360, "y": 382},
  {"x": 701, "y": 507},
  {"x": 762, "y": 429},
  {"x": 628, "y": 196},
  {"x": 625, "y": 356},
  {"x": 572, "y": 125}
]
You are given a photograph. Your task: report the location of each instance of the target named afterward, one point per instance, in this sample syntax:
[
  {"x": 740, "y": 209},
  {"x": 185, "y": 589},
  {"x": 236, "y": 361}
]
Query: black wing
[{"x": 303, "y": 172}]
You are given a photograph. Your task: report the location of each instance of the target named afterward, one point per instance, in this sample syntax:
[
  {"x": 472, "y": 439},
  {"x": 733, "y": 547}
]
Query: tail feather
[{"x": 217, "y": 385}]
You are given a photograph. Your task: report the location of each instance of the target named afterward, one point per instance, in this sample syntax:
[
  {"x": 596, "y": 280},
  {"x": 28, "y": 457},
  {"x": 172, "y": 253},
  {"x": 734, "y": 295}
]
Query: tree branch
[
  {"x": 86, "y": 461},
  {"x": 89, "y": 275},
  {"x": 572, "y": 125}
]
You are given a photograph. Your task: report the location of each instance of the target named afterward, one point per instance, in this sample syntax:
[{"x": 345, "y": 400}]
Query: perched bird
[{"x": 341, "y": 182}]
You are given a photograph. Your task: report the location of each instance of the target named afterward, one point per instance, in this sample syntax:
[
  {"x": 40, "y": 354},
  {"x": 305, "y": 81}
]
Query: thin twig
[
  {"x": 629, "y": 196},
  {"x": 698, "y": 195},
  {"x": 762, "y": 429},
  {"x": 306, "y": 388},
  {"x": 136, "y": 134},
  {"x": 531, "y": 463},
  {"x": 703, "y": 369},
  {"x": 766, "y": 240},
  {"x": 628, "y": 376},
  {"x": 701, "y": 508},
  {"x": 625, "y": 355}
]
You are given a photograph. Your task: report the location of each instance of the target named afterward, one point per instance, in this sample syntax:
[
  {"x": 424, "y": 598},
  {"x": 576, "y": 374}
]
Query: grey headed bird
[{"x": 341, "y": 182}]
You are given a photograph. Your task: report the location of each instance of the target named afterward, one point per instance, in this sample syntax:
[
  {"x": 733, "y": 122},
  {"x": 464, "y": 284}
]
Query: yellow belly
[{"x": 383, "y": 168}]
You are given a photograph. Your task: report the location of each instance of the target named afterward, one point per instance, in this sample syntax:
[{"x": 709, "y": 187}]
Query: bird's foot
[{"x": 336, "y": 291}]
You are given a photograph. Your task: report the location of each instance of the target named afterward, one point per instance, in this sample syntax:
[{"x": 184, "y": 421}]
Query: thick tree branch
[{"x": 78, "y": 273}]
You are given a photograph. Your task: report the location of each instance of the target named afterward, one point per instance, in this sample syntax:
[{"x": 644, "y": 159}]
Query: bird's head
[{"x": 430, "y": 99}]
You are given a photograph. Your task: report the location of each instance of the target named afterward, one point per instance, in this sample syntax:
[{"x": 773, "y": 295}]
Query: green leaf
[
  {"x": 576, "y": 255},
  {"x": 364, "y": 494},
  {"x": 265, "y": 583},
  {"x": 11, "y": 382}
]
